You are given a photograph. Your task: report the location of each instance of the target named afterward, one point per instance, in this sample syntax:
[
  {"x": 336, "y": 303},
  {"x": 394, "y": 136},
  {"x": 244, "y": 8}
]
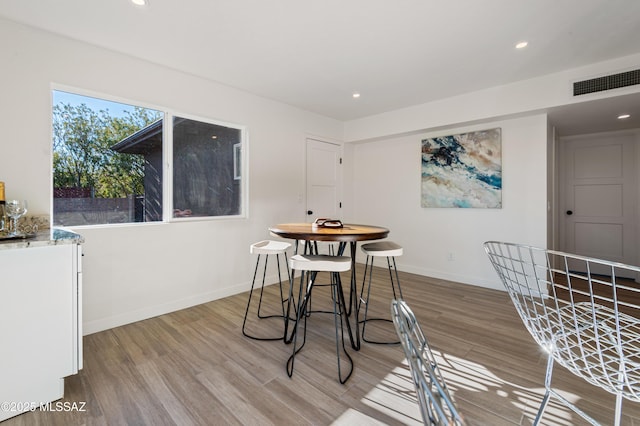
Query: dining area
[
  {"x": 320, "y": 254},
  {"x": 585, "y": 331},
  {"x": 194, "y": 366}
]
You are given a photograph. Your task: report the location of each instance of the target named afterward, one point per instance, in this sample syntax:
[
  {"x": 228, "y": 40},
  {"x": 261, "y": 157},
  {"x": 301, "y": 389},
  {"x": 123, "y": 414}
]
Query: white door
[
  {"x": 598, "y": 197},
  {"x": 324, "y": 179}
]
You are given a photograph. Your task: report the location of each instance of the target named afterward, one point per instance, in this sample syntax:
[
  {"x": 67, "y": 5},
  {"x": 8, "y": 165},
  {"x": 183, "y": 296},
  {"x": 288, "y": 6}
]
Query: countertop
[{"x": 48, "y": 237}]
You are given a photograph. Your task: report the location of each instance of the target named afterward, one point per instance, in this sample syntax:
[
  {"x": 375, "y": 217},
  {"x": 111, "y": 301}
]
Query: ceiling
[{"x": 395, "y": 53}]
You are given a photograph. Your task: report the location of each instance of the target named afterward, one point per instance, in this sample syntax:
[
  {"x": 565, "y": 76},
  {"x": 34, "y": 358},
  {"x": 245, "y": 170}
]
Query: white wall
[
  {"x": 386, "y": 188},
  {"x": 137, "y": 271},
  {"x": 382, "y": 153}
]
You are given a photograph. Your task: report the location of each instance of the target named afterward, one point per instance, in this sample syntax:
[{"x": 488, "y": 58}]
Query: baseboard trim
[
  {"x": 95, "y": 326},
  {"x": 102, "y": 324},
  {"x": 464, "y": 279}
]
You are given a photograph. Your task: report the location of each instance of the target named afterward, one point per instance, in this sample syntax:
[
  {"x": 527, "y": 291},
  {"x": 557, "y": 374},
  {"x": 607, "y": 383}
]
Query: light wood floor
[{"x": 195, "y": 367}]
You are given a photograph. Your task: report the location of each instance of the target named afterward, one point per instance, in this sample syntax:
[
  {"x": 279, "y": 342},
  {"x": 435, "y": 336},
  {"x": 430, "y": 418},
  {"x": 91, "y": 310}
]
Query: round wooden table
[{"x": 348, "y": 233}]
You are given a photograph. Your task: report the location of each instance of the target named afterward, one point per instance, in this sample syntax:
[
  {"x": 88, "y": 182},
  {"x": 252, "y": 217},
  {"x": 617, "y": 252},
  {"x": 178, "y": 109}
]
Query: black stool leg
[
  {"x": 303, "y": 299},
  {"x": 289, "y": 300},
  {"x": 264, "y": 276},
  {"x": 339, "y": 315},
  {"x": 259, "y": 314},
  {"x": 368, "y": 269},
  {"x": 339, "y": 310},
  {"x": 397, "y": 281}
]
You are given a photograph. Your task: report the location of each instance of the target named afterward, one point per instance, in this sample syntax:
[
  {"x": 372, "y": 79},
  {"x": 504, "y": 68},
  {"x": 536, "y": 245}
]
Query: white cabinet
[{"x": 40, "y": 323}]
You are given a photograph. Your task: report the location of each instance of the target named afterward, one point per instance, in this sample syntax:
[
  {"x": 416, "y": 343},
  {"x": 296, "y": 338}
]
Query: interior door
[
  {"x": 324, "y": 179},
  {"x": 598, "y": 197}
]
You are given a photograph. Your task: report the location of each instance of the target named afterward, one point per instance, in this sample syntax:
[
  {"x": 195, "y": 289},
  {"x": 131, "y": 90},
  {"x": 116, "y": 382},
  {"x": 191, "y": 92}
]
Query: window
[
  {"x": 108, "y": 162},
  {"x": 204, "y": 169}
]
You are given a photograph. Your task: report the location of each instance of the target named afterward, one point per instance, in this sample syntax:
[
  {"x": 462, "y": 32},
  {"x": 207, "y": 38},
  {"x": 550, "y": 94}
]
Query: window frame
[
  {"x": 168, "y": 172},
  {"x": 167, "y": 153},
  {"x": 237, "y": 161}
]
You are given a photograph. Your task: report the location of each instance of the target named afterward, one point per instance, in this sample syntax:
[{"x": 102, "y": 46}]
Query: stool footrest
[{"x": 376, "y": 342}]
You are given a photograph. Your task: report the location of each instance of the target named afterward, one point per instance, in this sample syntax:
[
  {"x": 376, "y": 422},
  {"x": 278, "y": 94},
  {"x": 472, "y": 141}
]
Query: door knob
[
  {"x": 569, "y": 212},
  {"x": 309, "y": 212}
]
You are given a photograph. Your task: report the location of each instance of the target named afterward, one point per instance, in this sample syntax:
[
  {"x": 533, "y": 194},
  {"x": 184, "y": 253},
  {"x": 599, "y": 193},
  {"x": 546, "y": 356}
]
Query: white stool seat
[
  {"x": 269, "y": 247},
  {"x": 320, "y": 263},
  {"x": 382, "y": 248}
]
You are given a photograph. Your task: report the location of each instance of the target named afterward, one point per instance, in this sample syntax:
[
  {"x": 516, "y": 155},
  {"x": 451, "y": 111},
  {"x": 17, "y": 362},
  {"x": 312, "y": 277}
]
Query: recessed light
[
  {"x": 140, "y": 2},
  {"x": 623, "y": 116},
  {"x": 356, "y": 95},
  {"x": 522, "y": 45}
]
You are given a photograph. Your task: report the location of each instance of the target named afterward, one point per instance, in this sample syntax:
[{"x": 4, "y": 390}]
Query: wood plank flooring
[{"x": 194, "y": 367}]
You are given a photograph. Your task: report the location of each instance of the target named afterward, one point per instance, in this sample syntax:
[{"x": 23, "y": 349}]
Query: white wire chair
[
  {"x": 584, "y": 312},
  {"x": 436, "y": 405}
]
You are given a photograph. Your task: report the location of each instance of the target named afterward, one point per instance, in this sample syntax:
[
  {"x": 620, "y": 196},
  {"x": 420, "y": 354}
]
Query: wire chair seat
[
  {"x": 613, "y": 348},
  {"x": 584, "y": 312}
]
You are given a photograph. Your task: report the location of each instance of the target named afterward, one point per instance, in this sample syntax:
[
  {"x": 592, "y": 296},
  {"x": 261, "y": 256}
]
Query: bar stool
[
  {"x": 267, "y": 248},
  {"x": 390, "y": 250},
  {"x": 310, "y": 265}
]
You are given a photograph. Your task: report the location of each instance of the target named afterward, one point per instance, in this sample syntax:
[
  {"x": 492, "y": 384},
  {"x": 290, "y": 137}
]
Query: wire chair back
[
  {"x": 584, "y": 312},
  {"x": 435, "y": 402}
]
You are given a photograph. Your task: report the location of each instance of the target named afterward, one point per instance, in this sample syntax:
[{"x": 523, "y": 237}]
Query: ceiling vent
[{"x": 607, "y": 82}]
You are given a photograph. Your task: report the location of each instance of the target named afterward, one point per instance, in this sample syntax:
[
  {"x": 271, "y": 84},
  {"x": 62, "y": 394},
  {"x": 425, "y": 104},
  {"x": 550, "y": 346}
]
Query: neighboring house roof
[{"x": 143, "y": 141}]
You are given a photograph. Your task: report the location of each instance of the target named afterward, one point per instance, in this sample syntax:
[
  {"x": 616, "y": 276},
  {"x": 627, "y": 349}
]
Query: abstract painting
[{"x": 463, "y": 170}]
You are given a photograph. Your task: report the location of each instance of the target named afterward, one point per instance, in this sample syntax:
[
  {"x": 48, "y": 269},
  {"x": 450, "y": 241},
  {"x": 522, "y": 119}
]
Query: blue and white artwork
[{"x": 463, "y": 171}]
